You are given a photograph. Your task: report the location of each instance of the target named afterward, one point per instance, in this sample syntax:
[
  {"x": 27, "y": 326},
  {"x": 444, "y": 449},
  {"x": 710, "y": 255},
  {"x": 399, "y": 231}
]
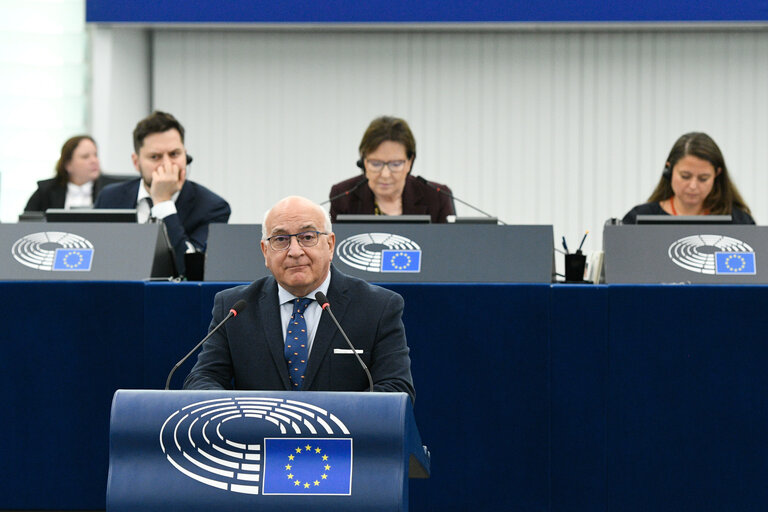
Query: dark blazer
[
  {"x": 737, "y": 216},
  {"x": 196, "y": 207},
  {"x": 52, "y": 194},
  {"x": 418, "y": 198},
  {"x": 247, "y": 352}
]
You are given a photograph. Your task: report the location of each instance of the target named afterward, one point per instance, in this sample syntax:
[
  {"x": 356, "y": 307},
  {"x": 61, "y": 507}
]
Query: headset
[{"x": 667, "y": 172}]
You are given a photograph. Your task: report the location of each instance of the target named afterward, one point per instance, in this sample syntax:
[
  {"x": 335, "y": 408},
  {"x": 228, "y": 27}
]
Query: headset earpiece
[
  {"x": 360, "y": 164},
  {"x": 667, "y": 172}
]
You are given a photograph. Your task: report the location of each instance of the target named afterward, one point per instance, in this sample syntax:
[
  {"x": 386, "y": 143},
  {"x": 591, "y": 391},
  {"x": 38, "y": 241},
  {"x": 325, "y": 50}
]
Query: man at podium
[{"x": 284, "y": 340}]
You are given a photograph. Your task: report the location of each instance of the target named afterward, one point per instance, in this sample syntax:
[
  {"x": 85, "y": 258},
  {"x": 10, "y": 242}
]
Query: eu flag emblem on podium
[
  {"x": 73, "y": 259},
  {"x": 307, "y": 466},
  {"x": 400, "y": 261},
  {"x": 735, "y": 263}
]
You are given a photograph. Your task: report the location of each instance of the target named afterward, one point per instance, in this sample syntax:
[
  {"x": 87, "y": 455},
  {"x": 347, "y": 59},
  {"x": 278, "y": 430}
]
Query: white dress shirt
[
  {"x": 159, "y": 211},
  {"x": 311, "y": 315},
  {"x": 79, "y": 196}
]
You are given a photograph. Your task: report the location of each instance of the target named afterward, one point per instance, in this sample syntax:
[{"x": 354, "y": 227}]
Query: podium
[{"x": 267, "y": 450}]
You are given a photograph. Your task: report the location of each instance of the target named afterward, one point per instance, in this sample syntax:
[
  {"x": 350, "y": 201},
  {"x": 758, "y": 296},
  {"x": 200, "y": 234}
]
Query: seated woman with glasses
[
  {"x": 695, "y": 181},
  {"x": 387, "y": 152}
]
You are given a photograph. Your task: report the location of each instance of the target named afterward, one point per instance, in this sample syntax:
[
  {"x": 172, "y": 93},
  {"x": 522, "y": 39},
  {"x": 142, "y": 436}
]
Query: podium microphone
[
  {"x": 236, "y": 309},
  {"x": 323, "y": 301},
  {"x": 346, "y": 192},
  {"x": 443, "y": 191}
]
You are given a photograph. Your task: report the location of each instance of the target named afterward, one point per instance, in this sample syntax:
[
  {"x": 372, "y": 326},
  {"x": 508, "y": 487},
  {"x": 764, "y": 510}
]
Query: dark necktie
[
  {"x": 150, "y": 219},
  {"x": 297, "y": 343}
]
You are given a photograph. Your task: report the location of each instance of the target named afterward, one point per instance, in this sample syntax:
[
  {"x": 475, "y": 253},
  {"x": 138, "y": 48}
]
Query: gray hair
[{"x": 327, "y": 227}]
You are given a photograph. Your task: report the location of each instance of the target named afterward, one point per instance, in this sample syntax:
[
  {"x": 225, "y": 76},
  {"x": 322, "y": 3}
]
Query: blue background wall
[{"x": 432, "y": 11}]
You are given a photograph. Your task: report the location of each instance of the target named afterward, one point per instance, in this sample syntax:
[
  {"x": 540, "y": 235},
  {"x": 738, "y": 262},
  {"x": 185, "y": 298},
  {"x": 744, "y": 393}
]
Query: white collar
[
  {"x": 284, "y": 295},
  {"x": 84, "y": 189}
]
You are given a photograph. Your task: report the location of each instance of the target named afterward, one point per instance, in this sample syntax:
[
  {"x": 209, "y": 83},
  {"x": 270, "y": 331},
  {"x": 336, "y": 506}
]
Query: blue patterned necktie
[{"x": 297, "y": 343}]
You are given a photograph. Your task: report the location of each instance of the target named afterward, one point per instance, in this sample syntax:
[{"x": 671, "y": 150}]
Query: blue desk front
[{"x": 530, "y": 397}]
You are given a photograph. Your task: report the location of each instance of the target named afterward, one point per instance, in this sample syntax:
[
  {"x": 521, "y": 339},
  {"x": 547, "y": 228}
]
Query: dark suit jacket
[
  {"x": 737, "y": 216},
  {"x": 196, "y": 207},
  {"x": 247, "y": 352},
  {"x": 52, "y": 194},
  {"x": 418, "y": 198}
]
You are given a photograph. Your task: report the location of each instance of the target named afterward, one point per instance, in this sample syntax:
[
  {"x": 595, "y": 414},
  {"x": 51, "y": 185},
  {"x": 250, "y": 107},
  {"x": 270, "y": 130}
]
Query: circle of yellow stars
[
  {"x": 738, "y": 257},
  {"x": 401, "y": 266},
  {"x": 66, "y": 262},
  {"x": 307, "y": 449}
]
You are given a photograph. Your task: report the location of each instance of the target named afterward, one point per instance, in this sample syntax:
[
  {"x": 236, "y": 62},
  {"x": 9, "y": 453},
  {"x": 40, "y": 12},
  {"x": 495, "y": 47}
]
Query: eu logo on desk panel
[
  {"x": 232, "y": 444},
  {"x": 40, "y": 251},
  {"x": 380, "y": 252},
  {"x": 698, "y": 253},
  {"x": 735, "y": 263},
  {"x": 308, "y": 466},
  {"x": 400, "y": 261},
  {"x": 73, "y": 259}
]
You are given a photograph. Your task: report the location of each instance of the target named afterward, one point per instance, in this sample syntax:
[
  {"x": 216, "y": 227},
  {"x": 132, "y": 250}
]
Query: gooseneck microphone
[
  {"x": 322, "y": 300},
  {"x": 346, "y": 192},
  {"x": 236, "y": 309},
  {"x": 443, "y": 191}
]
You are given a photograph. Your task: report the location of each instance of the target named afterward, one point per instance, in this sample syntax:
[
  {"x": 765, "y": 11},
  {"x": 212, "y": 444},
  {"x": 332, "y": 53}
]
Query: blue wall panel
[
  {"x": 431, "y": 11},
  {"x": 66, "y": 348},
  {"x": 531, "y": 397}
]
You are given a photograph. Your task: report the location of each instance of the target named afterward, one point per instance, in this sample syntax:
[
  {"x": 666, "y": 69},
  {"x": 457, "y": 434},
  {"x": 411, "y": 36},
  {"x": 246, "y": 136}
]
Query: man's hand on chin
[{"x": 166, "y": 182}]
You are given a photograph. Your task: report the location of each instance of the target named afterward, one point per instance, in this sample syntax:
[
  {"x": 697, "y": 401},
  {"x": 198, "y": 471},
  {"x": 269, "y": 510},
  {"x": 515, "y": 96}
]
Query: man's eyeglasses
[
  {"x": 395, "y": 166},
  {"x": 305, "y": 239}
]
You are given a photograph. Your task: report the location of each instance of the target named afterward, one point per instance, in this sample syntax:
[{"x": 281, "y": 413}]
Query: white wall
[
  {"x": 43, "y": 92},
  {"x": 121, "y": 92},
  {"x": 567, "y": 127}
]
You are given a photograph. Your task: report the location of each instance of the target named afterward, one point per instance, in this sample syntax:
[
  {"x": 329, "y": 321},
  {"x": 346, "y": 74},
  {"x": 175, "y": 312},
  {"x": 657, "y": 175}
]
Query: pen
[
  {"x": 582, "y": 241},
  {"x": 565, "y": 246}
]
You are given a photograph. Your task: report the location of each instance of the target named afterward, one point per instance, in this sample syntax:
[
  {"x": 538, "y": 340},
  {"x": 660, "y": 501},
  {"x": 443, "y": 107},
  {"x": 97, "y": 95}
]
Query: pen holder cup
[{"x": 574, "y": 267}]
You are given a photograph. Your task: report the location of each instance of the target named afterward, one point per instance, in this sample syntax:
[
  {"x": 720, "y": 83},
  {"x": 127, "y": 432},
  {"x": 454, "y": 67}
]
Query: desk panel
[
  {"x": 687, "y": 408},
  {"x": 531, "y": 397},
  {"x": 66, "y": 348}
]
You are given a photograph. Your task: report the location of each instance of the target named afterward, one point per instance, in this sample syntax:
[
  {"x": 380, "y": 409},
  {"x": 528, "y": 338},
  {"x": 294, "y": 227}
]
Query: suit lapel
[
  {"x": 413, "y": 197},
  {"x": 130, "y": 194},
  {"x": 273, "y": 336},
  {"x": 185, "y": 201},
  {"x": 58, "y": 197},
  {"x": 326, "y": 329}
]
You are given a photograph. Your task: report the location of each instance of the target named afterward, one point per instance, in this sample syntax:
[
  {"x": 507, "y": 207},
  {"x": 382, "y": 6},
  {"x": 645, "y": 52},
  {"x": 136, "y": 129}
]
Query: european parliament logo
[
  {"x": 735, "y": 263},
  {"x": 73, "y": 259},
  {"x": 53, "y": 250},
  {"x": 401, "y": 261},
  {"x": 308, "y": 466},
  {"x": 230, "y": 444},
  {"x": 713, "y": 255}
]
